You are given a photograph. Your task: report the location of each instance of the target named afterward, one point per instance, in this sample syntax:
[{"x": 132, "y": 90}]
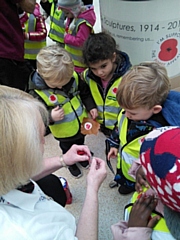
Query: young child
[
  {"x": 79, "y": 24},
  {"x": 159, "y": 205},
  {"x": 147, "y": 102},
  {"x": 66, "y": 96},
  {"x": 35, "y": 32},
  {"x": 106, "y": 65},
  {"x": 57, "y": 18}
]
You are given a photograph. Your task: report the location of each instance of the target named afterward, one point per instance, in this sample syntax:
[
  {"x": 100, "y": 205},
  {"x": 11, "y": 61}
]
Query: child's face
[
  {"x": 139, "y": 114},
  {"x": 67, "y": 13},
  {"x": 103, "y": 69}
]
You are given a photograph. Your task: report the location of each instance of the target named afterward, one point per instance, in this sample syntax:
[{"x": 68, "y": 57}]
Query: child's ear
[
  {"x": 114, "y": 57},
  {"x": 157, "y": 109}
]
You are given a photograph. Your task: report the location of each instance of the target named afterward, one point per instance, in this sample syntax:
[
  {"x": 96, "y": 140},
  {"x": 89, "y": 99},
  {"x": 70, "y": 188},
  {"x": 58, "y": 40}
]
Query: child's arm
[
  {"x": 140, "y": 180},
  {"x": 81, "y": 36},
  {"x": 40, "y": 32},
  {"x": 114, "y": 138},
  {"x": 137, "y": 173},
  {"x": 114, "y": 143},
  {"x": 86, "y": 96},
  {"x": 112, "y": 153},
  {"x": 137, "y": 227}
]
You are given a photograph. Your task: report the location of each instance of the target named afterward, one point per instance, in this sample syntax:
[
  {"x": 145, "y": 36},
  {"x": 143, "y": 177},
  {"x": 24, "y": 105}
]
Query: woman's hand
[
  {"x": 72, "y": 156},
  {"x": 97, "y": 174}
]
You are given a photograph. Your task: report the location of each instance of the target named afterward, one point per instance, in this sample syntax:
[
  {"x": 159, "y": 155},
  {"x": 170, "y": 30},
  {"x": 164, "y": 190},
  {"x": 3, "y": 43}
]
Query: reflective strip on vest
[
  {"x": 130, "y": 152},
  {"x": 76, "y": 52},
  {"x": 31, "y": 48},
  {"x": 69, "y": 126},
  {"x": 109, "y": 108},
  {"x": 160, "y": 231},
  {"x": 57, "y": 28},
  {"x": 52, "y": 8}
]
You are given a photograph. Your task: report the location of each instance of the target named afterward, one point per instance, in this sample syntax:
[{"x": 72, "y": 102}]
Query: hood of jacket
[
  {"x": 37, "y": 82},
  {"x": 88, "y": 15},
  {"x": 171, "y": 108},
  {"x": 123, "y": 65}
]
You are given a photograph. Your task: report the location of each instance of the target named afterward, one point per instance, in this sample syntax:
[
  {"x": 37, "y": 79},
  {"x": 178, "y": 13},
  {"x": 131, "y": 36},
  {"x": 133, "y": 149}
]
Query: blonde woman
[{"x": 33, "y": 215}]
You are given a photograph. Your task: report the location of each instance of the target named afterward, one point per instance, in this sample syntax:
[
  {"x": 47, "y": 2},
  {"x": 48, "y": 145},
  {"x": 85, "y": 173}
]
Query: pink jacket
[
  {"x": 40, "y": 32},
  {"x": 83, "y": 30},
  {"x": 121, "y": 231}
]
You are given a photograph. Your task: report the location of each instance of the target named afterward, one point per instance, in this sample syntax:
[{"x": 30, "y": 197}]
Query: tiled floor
[{"x": 111, "y": 203}]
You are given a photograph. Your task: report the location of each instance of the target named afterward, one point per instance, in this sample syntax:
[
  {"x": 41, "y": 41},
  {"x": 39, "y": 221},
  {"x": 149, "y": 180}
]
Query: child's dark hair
[{"x": 98, "y": 46}]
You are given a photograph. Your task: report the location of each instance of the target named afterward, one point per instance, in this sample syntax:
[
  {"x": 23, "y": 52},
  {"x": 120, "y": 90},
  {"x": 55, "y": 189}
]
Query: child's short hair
[
  {"x": 144, "y": 85},
  {"x": 98, "y": 46},
  {"x": 54, "y": 64}
]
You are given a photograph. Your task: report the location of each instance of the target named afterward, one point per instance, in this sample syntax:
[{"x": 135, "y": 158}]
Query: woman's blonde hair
[
  {"x": 144, "y": 85},
  {"x": 55, "y": 64},
  {"x": 21, "y": 118}
]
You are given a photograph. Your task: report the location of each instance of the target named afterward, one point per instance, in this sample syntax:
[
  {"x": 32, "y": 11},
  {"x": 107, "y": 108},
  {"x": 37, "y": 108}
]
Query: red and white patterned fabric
[{"x": 160, "y": 158}]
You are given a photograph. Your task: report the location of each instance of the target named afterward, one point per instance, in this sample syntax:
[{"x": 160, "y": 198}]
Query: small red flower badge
[
  {"x": 88, "y": 125},
  {"x": 114, "y": 90},
  {"x": 53, "y": 98}
]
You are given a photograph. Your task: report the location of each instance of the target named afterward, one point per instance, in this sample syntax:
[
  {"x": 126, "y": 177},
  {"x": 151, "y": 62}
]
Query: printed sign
[{"x": 145, "y": 30}]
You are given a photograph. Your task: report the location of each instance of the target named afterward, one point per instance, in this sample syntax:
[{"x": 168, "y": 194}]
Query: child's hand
[
  {"x": 112, "y": 153},
  {"x": 26, "y": 35},
  {"x": 140, "y": 180},
  {"x": 140, "y": 215},
  {"x": 94, "y": 113},
  {"x": 57, "y": 114}
]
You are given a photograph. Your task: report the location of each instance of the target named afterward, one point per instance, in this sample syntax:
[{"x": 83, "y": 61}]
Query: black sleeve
[
  {"x": 46, "y": 7},
  {"x": 86, "y": 2},
  {"x": 85, "y": 95},
  {"x": 114, "y": 137}
]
